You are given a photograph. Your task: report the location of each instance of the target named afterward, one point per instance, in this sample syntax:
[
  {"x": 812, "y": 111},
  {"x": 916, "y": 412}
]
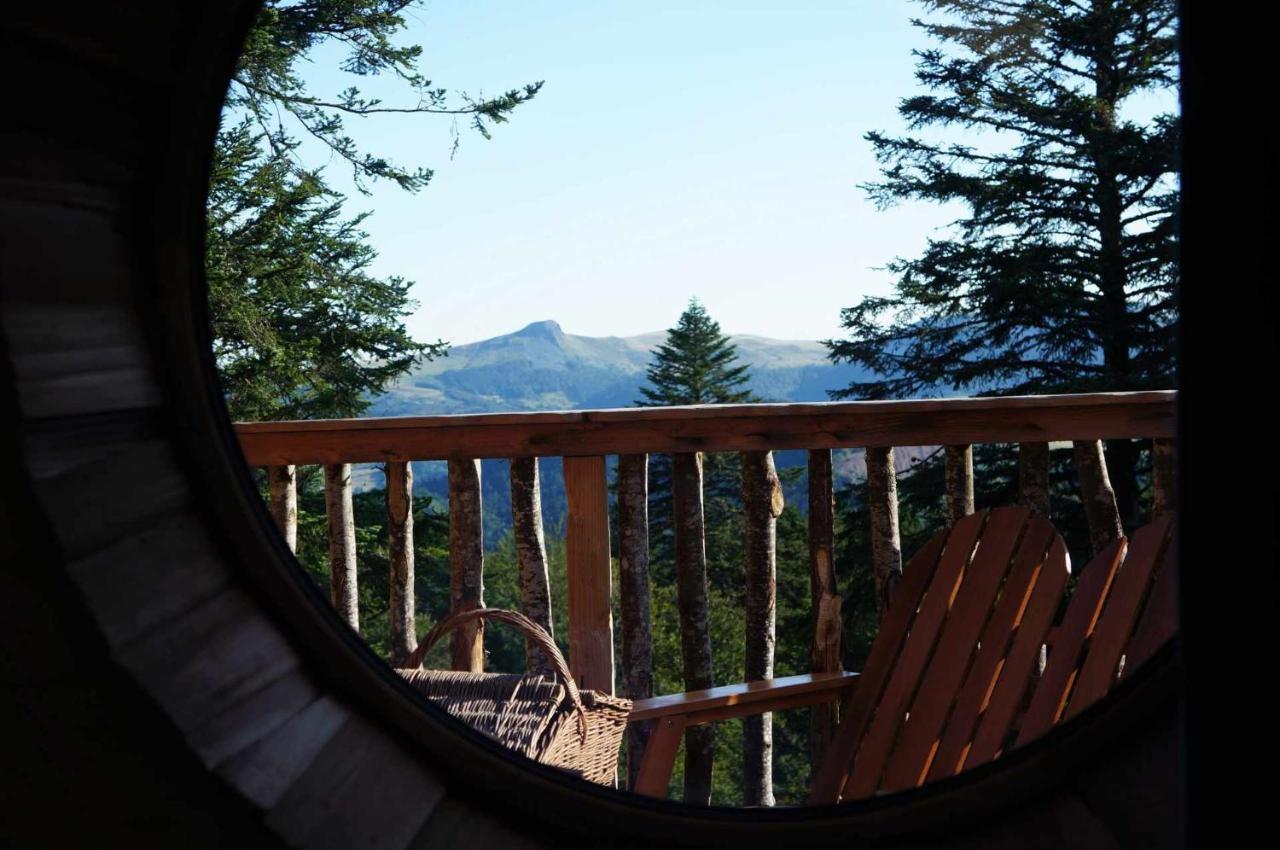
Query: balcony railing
[{"x": 585, "y": 438}]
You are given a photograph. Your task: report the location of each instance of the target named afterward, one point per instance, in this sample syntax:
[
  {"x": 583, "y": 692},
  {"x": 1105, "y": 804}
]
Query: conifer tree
[
  {"x": 696, "y": 365},
  {"x": 301, "y": 328},
  {"x": 1060, "y": 276}
]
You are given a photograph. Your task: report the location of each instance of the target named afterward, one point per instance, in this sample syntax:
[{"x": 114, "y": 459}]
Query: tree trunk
[
  {"x": 466, "y": 563},
  {"x": 886, "y": 545},
  {"x": 400, "y": 613},
  {"x": 1098, "y": 497},
  {"x": 342, "y": 543},
  {"x": 1033, "y": 477},
  {"x": 762, "y": 504},
  {"x": 824, "y": 598},
  {"x": 283, "y": 481},
  {"x": 959, "y": 482},
  {"x": 531, "y": 555},
  {"x": 695, "y": 634},
  {"x": 633, "y": 578},
  {"x": 1164, "y": 497}
]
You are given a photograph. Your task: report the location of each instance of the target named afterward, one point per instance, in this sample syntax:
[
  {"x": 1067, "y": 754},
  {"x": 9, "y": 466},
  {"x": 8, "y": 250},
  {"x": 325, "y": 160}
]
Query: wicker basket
[{"x": 547, "y": 719}]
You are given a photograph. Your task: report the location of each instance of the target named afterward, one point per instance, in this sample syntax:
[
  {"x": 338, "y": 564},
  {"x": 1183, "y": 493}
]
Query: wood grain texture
[
  {"x": 824, "y": 598},
  {"x": 762, "y": 503},
  {"x": 531, "y": 555},
  {"x": 747, "y": 696},
  {"x": 712, "y": 428},
  {"x": 1033, "y": 476},
  {"x": 343, "y": 590},
  {"x": 958, "y": 474},
  {"x": 1159, "y": 621},
  {"x": 466, "y": 563},
  {"x": 1097, "y": 494},
  {"x": 400, "y": 604},
  {"x": 886, "y": 543},
  {"x": 590, "y": 578},
  {"x": 691, "y": 599},
  {"x": 282, "y": 482},
  {"x": 634, "y": 597},
  {"x": 1164, "y": 490}
]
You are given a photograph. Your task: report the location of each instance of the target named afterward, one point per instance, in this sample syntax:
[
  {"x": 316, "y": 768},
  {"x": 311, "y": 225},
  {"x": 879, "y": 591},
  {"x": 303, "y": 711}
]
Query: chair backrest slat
[
  {"x": 1159, "y": 620},
  {"x": 1050, "y": 696},
  {"x": 995, "y": 685},
  {"x": 956, "y": 646},
  {"x": 858, "y": 707},
  {"x": 1116, "y": 624},
  {"x": 910, "y": 666}
]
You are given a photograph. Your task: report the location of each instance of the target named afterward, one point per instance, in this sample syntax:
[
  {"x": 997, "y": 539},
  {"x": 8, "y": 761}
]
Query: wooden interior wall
[{"x": 167, "y": 678}]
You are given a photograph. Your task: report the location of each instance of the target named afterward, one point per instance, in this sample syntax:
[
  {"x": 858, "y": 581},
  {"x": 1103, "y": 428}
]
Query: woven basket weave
[{"x": 547, "y": 719}]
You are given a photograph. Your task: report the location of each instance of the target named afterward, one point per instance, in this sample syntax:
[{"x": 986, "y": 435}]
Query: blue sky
[{"x": 677, "y": 149}]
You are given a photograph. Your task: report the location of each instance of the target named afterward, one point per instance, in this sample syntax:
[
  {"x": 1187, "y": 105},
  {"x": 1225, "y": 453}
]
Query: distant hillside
[{"x": 540, "y": 367}]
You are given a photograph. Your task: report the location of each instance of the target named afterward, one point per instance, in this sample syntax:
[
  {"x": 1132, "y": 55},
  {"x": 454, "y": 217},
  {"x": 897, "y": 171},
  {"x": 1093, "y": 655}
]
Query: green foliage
[
  {"x": 300, "y": 328},
  {"x": 1060, "y": 277},
  {"x": 696, "y": 365}
]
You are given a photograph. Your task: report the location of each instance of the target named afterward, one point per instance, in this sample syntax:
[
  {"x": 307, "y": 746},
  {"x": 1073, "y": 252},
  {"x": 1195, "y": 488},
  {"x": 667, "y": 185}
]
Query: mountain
[{"x": 540, "y": 367}]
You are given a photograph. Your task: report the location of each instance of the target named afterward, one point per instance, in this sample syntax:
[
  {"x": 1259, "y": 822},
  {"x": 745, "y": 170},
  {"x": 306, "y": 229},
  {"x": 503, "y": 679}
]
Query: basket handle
[{"x": 531, "y": 630}]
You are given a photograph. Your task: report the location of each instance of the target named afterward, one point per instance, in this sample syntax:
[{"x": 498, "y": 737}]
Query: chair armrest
[{"x": 759, "y": 697}]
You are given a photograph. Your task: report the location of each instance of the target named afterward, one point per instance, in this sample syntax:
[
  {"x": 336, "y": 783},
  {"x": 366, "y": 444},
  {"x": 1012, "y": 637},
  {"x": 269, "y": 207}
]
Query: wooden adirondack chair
[{"x": 949, "y": 673}]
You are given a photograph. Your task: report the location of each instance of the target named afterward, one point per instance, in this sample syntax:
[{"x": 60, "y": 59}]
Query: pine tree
[
  {"x": 696, "y": 365},
  {"x": 1061, "y": 275},
  {"x": 300, "y": 328}
]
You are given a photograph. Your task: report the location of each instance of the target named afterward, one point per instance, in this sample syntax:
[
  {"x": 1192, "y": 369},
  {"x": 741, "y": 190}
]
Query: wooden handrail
[{"x": 747, "y": 427}]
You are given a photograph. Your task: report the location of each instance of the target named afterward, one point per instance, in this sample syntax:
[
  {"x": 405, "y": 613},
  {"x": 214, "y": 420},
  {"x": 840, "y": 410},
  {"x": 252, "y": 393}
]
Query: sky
[{"x": 677, "y": 149}]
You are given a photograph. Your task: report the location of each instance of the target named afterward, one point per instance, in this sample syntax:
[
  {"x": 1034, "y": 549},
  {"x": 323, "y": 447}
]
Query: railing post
[
  {"x": 1099, "y": 498},
  {"x": 824, "y": 653},
  {"x": 633, "y": 580},
  {"x": 531, "y": 555},
  {"x": 590, "y": 580},
  {"x": 342, "y": 542},
  {"x": 283, "y": 481},
  {"x": 886, "y": 544},
  {"x": 466, "y": 562},
  {"x": 762, "y": 504},
  {"x": 695, "y": 634},
  {"x": 958, "y": 470},
  {"x": 1163, "y": 487},
  {"x": 400, "y": 611},
  {"x": 1033, "y": 476}
]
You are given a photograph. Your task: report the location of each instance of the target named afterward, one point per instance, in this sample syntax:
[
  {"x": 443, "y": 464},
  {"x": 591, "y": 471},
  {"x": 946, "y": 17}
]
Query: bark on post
[
  {"x": 824, "y": 653},
  {"x": 400, "y": 613},
  {"x": 466, "y": 563},
  {"x": 283, "y": 481},
  {"x": 1099, "y": 499},
  {"x": 886, "y": 545},
  {"x": 1163, "y": 489},
  {"x": 633, "y": 578},
  {"x": 959, "y": 482},
  {"x": 531, "y": 555},
  {"x": 342, "y": 543},
  {"x": 1033, "y": 476},
  {"x": 762, "y": 503},
  {"x": 695, "y": 634}
]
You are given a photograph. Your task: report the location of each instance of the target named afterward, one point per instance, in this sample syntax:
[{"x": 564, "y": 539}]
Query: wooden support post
[
  {"x": 1099, "y": 498},
  {"x": 590, "y": 581},
  {"x": 959, "y": 482},
  {"x": 695, "y": 633},
  {"x": 400, "y": 610},
  {"x": 633, "y": 580},
  {"x": 466, "y": 562},
  {"x": 531, "y": 555},
  {"x": 342, "y": 543},
  {"x": 762, "y": 504},
  {"x": 283, "y": 481},
  {"x": 660, "y": 757},
  {"x": 824, "y": 597},
  {"x": 1163, "y": 488},
  {"x": 1033, "y": 477},
  {"x": 886, "y": 544}
]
